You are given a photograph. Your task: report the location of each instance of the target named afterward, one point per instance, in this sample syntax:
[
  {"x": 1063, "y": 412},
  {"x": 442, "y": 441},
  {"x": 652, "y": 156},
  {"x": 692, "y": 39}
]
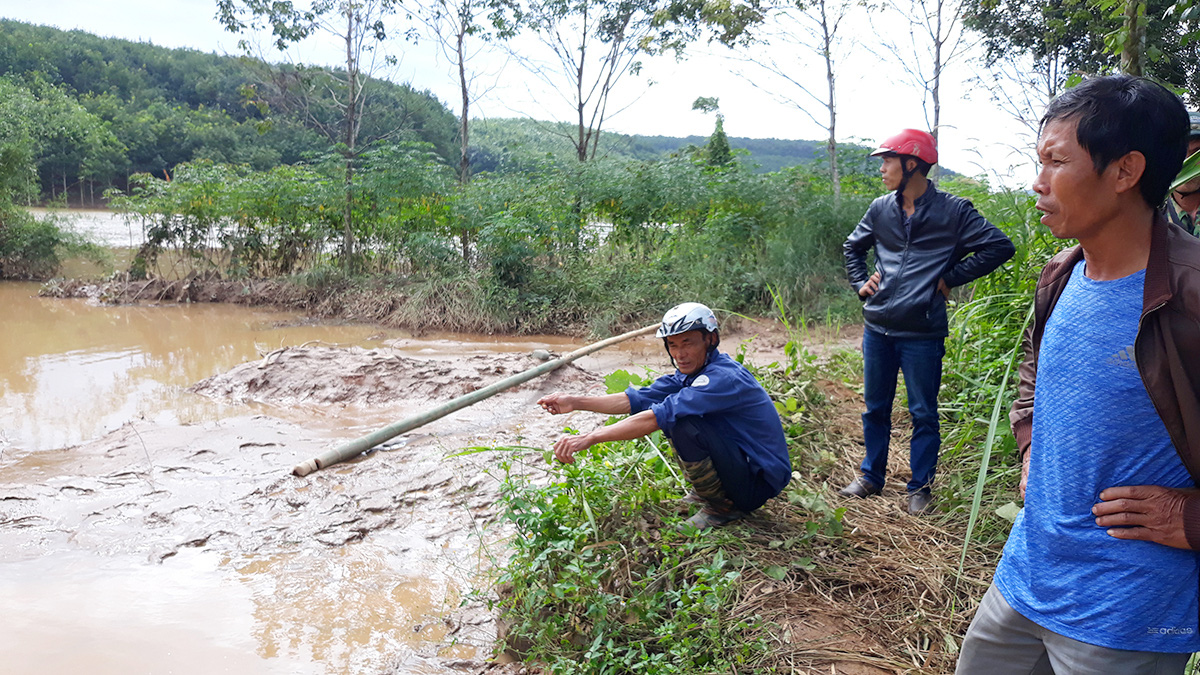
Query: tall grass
[
  {"x": 595, "y": 246},
  {"x": 978, "y": 466}
]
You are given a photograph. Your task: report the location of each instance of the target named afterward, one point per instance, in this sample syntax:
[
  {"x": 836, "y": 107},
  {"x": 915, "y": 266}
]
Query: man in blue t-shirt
[
  {"x": 721, "y": 422},
  {"x": 1100, "y": 574}
]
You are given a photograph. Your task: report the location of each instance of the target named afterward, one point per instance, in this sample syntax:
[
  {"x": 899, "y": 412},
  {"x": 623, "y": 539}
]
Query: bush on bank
[
  {"x": 595, "y": 245},
  {"x": 34, "y": 248},
  {"x": 600, "y": 582}
]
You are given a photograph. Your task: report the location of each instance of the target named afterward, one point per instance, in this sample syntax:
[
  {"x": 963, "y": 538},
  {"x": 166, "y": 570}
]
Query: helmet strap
[{"x": 906, "y": 173}]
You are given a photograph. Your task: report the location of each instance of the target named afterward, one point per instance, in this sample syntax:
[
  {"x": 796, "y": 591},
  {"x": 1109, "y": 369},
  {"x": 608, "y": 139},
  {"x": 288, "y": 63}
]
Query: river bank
[
  {"x": 139, "y": 513},
  {"x": 146, "y": 465}
]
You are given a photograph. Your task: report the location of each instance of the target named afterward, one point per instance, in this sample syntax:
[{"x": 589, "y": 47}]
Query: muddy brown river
[{"x": 149, "y": 522}]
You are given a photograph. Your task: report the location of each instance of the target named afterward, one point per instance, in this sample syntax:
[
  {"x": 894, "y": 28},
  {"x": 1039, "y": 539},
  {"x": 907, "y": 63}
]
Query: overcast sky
[{"x": 874, "y": 99}]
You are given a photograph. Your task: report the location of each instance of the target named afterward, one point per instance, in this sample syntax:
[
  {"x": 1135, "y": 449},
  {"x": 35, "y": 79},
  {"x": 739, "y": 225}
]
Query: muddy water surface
[{"x": 151, "y": 525}]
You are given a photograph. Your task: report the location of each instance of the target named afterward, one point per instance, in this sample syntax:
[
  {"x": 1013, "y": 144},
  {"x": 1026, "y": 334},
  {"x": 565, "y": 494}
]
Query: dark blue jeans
[
  {"x": 921, "y": 361},
  {"x": 695, "y": 438}
]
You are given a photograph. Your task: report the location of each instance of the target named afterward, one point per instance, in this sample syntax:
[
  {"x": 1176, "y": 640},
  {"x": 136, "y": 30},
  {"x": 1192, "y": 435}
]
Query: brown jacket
[{"x": 1167, "y": 347}]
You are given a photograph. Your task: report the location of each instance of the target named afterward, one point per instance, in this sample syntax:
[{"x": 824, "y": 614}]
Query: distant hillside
[
  {"x": 768, "y": 154},
  {"x": 108, "y": 107},
  {"x": 506, "y": 144}
]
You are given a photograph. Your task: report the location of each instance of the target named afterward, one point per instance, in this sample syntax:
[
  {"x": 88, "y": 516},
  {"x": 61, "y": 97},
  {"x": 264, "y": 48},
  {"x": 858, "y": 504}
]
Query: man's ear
[{"x": 1128, "y": 171}]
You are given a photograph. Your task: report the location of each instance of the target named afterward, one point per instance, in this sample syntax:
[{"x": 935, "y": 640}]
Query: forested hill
[
  {"x": 766, "y": 154},
  {"x": 512, "y": 143},
  {"x": 87, "y": 112},
  {"x": 95, "y": 110}
]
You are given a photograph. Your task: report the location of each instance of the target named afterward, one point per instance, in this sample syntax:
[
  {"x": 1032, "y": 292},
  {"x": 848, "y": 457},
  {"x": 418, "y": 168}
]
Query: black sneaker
[
  {"x": 860, "y": 487},
  {"x": 920, "y": 503}
]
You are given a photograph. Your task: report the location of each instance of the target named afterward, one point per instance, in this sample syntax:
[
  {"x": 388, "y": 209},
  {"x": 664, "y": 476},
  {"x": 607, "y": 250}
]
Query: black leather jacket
[{"x": 945, "y": 231}]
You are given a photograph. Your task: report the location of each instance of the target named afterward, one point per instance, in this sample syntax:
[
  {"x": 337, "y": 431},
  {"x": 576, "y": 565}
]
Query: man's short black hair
[
  {"x": 1119, "y": 114},
  {"x": 923, "y": 167}
]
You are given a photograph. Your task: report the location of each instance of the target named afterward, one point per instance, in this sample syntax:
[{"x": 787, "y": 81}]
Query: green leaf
[
  {"x": 776, "y": 572},
  {"x": 620, "y": 380},
  {"x": 1009, "y": 511},
  {"x": 1189, "y": 170},
  {"x": 805, "y": 563}
]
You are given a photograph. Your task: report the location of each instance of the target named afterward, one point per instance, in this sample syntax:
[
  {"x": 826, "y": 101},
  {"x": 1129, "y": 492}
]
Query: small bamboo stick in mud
[{"x": 363, "y": 443}]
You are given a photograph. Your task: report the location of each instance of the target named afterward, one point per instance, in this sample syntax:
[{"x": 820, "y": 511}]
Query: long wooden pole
[{"x": 362, "y": 444}]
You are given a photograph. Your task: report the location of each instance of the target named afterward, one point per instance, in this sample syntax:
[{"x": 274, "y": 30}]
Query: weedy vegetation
[{"x": 602, "y": 581}]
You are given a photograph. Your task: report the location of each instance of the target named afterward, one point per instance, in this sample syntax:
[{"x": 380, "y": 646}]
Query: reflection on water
[
  {"x": 347, "y": 610},
  {"x": 70, "y": 370},
  {"x": 101, "y": 615},
  {"x": 368, "y": 607},
  {"x": 197, "y": 559}
]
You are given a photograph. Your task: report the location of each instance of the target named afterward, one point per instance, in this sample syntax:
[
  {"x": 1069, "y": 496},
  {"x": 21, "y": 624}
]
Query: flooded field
[
  {"x": 111, "y": 230},
  {"x": 145, "y": 527}
]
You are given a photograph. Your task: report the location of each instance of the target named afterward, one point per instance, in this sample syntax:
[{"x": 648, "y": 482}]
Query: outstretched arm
[
  {"x": 634, "y": 426},
  {"x": 611, "y": 404}
]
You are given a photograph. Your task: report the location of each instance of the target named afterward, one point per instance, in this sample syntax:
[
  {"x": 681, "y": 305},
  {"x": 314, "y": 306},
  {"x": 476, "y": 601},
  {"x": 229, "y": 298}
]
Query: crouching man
[{"x": 723, "y": 426}]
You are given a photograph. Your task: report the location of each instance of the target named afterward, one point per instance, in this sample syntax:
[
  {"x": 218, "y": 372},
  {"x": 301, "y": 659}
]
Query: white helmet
[{"x": 686, "y": 317}]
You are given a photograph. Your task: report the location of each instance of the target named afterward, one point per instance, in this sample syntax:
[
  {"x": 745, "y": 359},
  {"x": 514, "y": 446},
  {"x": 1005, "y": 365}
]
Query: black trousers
[{"x": 696, "y": 439}]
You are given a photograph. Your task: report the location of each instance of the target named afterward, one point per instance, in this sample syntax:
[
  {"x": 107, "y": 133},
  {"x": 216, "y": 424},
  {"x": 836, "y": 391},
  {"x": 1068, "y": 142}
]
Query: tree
[
  {"x": 812, "y": 28},
  {"x": 595, "y": 43},
  {"x": 935, "y": 40},
  {"x": 452, "y": 23},
  {"x": 717, "y": 153},
  {"x": 1070, "y": 38},
  {"x": 359, "y": 24},
  {"x": 64, "y": 143}
]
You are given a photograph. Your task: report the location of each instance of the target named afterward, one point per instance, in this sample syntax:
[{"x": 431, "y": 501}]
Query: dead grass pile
[
  {"x": 883, "y": 596},
  {"x": 886, "y": 595}
]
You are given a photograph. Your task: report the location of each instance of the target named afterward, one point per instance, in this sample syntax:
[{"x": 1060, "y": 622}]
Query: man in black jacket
[{"x": 926, "y": 242}]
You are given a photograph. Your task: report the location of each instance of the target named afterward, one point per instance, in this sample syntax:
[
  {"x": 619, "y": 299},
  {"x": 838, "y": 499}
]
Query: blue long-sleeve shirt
[{"x": 727, "y": 395}]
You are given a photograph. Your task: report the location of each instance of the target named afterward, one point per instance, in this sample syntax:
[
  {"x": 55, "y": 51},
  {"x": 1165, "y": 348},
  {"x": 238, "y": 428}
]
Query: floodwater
[
  {"x": 148, "y": 528},
  {"x": 104, "y": 227}
]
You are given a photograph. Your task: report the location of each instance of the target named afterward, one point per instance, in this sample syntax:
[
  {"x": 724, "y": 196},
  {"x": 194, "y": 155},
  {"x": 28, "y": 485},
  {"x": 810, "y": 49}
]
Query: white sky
[{"x": 873, "y": 99}]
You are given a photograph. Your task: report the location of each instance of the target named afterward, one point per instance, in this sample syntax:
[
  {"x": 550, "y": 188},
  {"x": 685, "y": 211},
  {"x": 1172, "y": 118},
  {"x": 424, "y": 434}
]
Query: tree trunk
[
  {"x": 1135, "y": 38},
  {"x": 351, "y": 136},
  {"x": 831, "y": 145},
  {"x": 937, "y": 81},
  {"x": 464, "y": 163},
  {"x": 581, "y": 146}
]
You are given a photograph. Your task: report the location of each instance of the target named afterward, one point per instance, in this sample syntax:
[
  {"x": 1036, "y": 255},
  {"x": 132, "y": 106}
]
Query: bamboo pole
[{"x": 362, "y": 444}]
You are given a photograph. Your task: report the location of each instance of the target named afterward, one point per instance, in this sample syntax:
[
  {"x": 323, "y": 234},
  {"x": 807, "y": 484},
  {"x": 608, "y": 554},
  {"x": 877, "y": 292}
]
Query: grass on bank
[{"x": 601, "y": 581}]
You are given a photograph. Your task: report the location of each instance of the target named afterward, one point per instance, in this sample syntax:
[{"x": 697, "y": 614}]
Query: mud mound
[
  {"x": 374, "y": 377},
  {"x": 192, "y": 288}
]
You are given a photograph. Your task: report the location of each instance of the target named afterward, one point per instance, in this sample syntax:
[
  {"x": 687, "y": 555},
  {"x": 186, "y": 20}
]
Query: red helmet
[{"x": 913, "y": 142}]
